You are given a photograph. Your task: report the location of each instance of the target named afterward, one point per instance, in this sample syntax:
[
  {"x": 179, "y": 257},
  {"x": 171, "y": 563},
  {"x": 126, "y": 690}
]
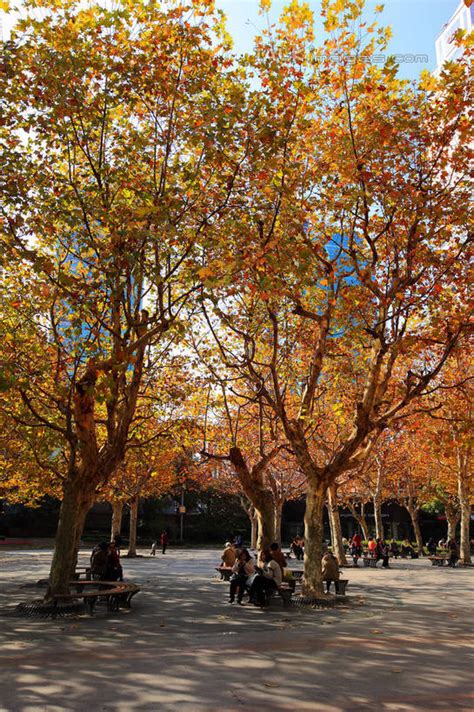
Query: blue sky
[{"x": 415, "y": 25}]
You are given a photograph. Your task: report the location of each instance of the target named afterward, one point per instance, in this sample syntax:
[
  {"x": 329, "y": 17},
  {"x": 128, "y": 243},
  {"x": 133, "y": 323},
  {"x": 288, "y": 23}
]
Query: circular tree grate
[
  {"x": 48, "y": 609},
  {"x": 313, "y": 601}
]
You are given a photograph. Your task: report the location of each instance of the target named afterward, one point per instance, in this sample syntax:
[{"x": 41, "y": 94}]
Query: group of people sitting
[
  {"x": 376, "y": 549},
  {"x": 260, "y": 579},
  {"x": 105, "y": 562}
]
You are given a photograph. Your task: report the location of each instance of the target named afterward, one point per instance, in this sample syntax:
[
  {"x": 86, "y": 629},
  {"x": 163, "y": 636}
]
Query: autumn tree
[
  {"x": 348, "y": 242},
  {"x": 117, "y": 143}
]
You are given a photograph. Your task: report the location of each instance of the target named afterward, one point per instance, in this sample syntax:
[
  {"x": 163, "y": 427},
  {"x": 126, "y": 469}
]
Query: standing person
[
  {"x": 242, "y": 569},
  {"x": 164, "y": 541},
  {"x": 266, "y": 582},
  {"x": 277, "y": 555},
  {"x": 357, "y": 542},
  {"x": 431, "y": 546}
]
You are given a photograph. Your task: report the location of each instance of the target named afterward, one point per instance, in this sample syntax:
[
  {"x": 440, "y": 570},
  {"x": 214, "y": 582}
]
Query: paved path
[{"x": 403, "y": 643}]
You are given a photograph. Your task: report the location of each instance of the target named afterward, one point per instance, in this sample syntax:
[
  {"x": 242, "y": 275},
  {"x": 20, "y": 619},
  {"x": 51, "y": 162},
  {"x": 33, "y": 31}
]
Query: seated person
[
  {"x": 277, "y": 555},
  {"x": 407, "y": 549},
  {"x": 270, "y": 578},
  {"x": 114, "y": 570},
  {"x": 453, "y": 550},
  {"x": 354, "y": 552},
  {"x": 242, "y": 569},
  {"x": 371, "y": 546},
  {"x": 381, "y": 552},
  {"x": 297, "y": 547},
  {"x": 228, "y": 555},
  {"x": 330, "y": 569},
  {"x": 431, "y": 546},
  {"x": 99, "y": 561},
  {"x": 394, "y": 549}
]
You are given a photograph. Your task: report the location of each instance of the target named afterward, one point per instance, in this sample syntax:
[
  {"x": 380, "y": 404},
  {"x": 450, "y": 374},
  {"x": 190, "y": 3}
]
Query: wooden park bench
[
  {"x": 340, "y": 585},
  {"x": 438, "y": 560},
  {"x": 225, "y": 572},
  {"x": 116, "y": 594},
  {"x": 82, "y": 573},
  {"x": 370, "y": 561}
]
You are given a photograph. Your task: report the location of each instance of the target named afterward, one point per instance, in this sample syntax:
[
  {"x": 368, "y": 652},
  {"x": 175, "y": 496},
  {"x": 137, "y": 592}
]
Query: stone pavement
[{"x": 402, "y": 642}]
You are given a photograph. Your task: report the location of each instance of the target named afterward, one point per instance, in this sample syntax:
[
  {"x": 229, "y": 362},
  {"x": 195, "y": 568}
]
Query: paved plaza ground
[{"x": 403, "y": 641}]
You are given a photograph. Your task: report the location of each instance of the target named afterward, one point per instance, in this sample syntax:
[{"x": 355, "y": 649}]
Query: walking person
[{"x": 164, "y": 541}]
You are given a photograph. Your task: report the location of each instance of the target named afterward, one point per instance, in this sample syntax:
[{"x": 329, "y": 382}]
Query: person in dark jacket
[
  {"x": 381, "y": 552},
  {"x": 453, "y": 550},
  {"x": 164, "y": 541},
  {"x": 99, "y": 561},
  {"x": 114, "y": 570}
]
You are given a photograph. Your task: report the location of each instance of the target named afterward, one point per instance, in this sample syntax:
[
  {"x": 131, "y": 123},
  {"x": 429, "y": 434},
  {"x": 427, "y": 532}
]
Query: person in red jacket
[{"x": 164, "y": 541}]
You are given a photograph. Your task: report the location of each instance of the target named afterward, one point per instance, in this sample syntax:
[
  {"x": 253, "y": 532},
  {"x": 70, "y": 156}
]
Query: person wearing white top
[
  {"x": 268, "y": 581},
  {"x": 242, "y": 569}
]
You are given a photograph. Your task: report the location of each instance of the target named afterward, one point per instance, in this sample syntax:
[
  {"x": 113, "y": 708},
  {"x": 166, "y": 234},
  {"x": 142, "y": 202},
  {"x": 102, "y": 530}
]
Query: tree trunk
[
  {"x": 132, "y": 537},
  {"x": 260, "y": 496},
  {"x": 464, "y": 501},
  {"x": 453, "y": 515},
  {"x": 253, "y": 529},
  {"x": 265, "y": 521},
  {"x": 117, "y": 514},
  {"x": 465, "y": 545},
  {"x": 335, "y": 524},
  {"x": 413, "y": 512},
  {"x": 378, "y": 518},
  {"x": 278, "y": 507},
  {"x": 313, "y": 540},
  {"x": 74, "y": 507},
  {"x": 360, "y": 519}
]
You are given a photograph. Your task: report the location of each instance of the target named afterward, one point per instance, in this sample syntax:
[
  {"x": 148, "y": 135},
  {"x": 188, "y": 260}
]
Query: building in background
[{"x": 462, "y": 19}]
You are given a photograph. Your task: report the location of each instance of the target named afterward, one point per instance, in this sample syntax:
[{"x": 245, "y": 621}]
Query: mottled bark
[
  {"x": 453, "y": 515},
  {"x": 313, "y": 538},
  {"x": 117, "y": 514},
  {"x": 360, "y": 519},
  {"x": 132, "y": 536},
  {"x": 378, "y": 517},
  {"x": 278, "y": 509},
  {"x": 74, "y": 507},
  {"x": 413, "y": 511},
  {"x": 464, "y": 459},
  {"x": 252, "y": 481},
  {"x": 335, "y": 524},
  {"x": 253, "y": 530}
]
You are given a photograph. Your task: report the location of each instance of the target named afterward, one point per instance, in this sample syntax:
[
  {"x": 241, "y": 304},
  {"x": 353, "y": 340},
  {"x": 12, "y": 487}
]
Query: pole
[{"x": 181, "y": 523}]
